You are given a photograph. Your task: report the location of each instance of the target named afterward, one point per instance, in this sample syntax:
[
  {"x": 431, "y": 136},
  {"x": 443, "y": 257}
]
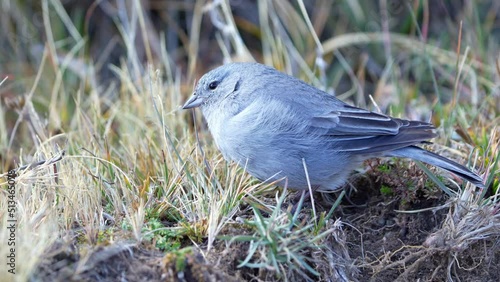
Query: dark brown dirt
[
  {"x": 388, "y": 245},
  {"x": 379, "y": 243}
]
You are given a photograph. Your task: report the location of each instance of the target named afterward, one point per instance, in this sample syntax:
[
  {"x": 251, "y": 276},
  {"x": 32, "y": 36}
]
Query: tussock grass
[{"x": 118, "y": 163}]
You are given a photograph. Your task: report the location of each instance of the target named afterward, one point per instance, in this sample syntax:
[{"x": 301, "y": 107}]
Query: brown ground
[
  {"x": 381, "y": 243},
  {"x": 392, "y": 243}
]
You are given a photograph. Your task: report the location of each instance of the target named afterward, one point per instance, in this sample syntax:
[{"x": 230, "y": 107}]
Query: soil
[
  {"x": 379, "y": 242},
  {"x": 392, "y": 244}
]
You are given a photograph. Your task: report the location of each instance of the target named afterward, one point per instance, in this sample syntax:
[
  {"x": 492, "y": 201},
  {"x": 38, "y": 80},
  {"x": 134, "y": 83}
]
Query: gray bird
[{"x": 271, "y": 123}]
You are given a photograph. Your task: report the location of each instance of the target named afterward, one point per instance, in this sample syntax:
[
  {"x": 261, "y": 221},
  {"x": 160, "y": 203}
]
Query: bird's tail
[{"x": 417, "y": 153}]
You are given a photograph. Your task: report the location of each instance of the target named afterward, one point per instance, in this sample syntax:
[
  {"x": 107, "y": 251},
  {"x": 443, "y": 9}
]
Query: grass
[{"x": 117, "y": 163}]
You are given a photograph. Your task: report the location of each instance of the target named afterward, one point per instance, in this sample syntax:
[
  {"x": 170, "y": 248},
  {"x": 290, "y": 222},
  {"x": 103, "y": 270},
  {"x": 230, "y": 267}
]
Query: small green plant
[
  {"x": 165, "y": 239},
  {"x": 278, "y": 243},
  {"x": 384, "y": 168},
  {"x": 282, "y": 244},
  {"x": 178, "y": 258},
  {"x": 386, "y": 190},
  {"x": 104, "y": 235}
]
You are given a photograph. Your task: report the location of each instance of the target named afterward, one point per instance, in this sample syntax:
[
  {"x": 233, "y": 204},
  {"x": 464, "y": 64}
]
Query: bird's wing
[{"x": 361, "y": 131}]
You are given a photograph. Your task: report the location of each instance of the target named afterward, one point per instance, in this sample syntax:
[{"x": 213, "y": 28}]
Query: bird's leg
[
  {"x": 298, "y": 200},
  {"x": 305, "y": 196}
]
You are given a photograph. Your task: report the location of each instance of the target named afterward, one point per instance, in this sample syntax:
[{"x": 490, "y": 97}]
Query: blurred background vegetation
[{"x": 86, "y": 37}]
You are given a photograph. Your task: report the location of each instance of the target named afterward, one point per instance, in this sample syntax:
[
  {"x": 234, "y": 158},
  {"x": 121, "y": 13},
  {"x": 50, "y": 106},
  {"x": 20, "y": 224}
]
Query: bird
[{"x": 281, "y": 129}]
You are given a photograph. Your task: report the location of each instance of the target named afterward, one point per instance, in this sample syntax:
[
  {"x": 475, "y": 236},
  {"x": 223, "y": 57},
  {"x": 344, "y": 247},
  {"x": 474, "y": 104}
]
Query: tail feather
[{"x": 417, "y": 153}]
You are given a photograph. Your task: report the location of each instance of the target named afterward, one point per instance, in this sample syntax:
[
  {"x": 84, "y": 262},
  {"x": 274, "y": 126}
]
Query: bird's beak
[{"x": 193, "y": 102}]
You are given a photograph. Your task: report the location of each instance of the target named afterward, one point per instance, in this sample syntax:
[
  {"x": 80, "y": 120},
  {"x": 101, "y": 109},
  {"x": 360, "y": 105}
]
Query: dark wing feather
[{"x": 361, "y": 131}]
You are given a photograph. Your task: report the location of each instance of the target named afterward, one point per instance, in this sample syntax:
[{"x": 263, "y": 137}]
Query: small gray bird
[{"x": 271, "y": 123}]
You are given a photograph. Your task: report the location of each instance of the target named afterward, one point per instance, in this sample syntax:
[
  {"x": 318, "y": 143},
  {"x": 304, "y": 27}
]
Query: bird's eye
[{"x": 213, "y": 85}]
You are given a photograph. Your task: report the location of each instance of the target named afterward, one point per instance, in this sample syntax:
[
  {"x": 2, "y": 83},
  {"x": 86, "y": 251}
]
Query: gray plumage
[{"x": 270, "y": 122}]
